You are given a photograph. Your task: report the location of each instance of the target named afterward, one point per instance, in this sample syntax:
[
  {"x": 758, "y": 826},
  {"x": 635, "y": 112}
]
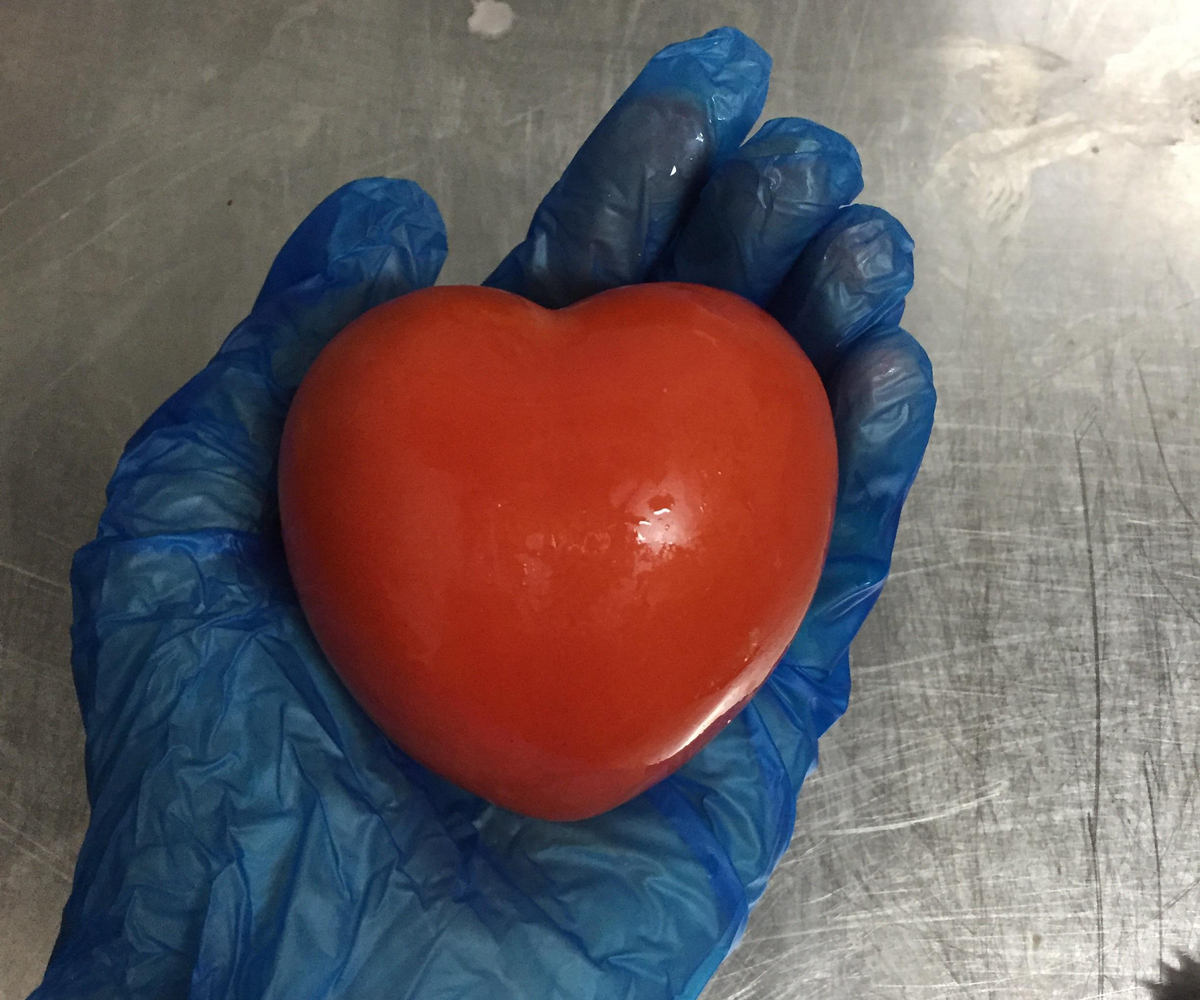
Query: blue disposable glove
[{"x": 253, "y": 835}]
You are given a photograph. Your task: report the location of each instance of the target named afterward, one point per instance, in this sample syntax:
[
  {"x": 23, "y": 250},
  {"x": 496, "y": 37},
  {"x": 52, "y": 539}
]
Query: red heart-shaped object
[{"x": 551, "y": 553}]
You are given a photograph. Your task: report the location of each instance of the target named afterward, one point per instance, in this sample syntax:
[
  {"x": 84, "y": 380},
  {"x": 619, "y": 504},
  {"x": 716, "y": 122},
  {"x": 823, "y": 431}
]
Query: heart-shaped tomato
[{"x": 551, "y": 553}]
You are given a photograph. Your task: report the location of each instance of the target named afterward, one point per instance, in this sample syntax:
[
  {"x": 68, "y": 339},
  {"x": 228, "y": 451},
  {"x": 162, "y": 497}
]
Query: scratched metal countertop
[{"x": 1011, "y": 808}]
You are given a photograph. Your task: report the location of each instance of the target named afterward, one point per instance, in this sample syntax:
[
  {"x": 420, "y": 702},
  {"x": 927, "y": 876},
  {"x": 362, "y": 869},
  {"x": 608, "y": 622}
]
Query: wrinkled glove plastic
[{"x": 253, "y": 835}]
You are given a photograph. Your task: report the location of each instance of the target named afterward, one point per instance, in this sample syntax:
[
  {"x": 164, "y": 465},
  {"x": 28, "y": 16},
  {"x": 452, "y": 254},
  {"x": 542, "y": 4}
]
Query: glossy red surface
[{"x": 551, "y": 553}]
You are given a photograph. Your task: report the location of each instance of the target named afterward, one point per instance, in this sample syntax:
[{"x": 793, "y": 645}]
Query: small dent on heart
[
  {"x": 588, "y": 543},
  {"x": 656, "y": 533},
  {"x": 662, "y": 521},
  {"x": 597, "y": 542},
  {"x": 536, "y": 577}
]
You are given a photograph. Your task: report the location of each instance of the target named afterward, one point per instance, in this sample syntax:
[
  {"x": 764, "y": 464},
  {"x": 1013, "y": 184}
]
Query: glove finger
[
  {"x": 850, "y": 279},
  {"x": 371, "y": 211},
  {"x": 608, "y": 218},
  {"x": 762, "y": 206},
  {"x": 206, "y": 459},
  {"x": 883, "y": 403}
]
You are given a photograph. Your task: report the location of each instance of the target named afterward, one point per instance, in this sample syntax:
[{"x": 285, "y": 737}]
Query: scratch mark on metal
[
  {"x": 1167, "y": 590},
  {"x": 62, "y": 170},
  {"x": 631, "y": 19},
  {"x": 996, "y": 792},
  {"x": 1179, "y": 895},
  {"x": 851, "y": 62},
  {"x": 1093, "y": 819},
  {"x": 43, "y": 855},
  {"x": 47, "y": 581},
  {"x": 1158, "y": 444},
  {"x": 1157, "y": 852}
]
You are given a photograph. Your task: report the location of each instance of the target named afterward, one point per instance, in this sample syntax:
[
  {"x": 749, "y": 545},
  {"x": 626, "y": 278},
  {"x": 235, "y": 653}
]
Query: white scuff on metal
[
  {"x": 1145, "y": 96},
  {"x": 491, "y": 18}
]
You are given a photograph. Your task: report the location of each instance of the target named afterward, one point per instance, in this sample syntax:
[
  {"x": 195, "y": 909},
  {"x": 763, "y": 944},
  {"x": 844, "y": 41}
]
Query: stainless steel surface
[{"x": 1012, "y": 806}]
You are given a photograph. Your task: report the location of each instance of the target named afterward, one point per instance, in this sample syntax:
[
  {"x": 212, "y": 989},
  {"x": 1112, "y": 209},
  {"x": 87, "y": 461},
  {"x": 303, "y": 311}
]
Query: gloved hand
[{"x": 253, "y": 835}]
